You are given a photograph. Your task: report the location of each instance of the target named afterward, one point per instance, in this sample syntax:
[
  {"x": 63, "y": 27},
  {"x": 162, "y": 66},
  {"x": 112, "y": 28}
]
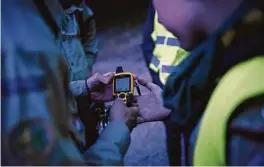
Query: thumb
[
  {"x": 135, "y": 76},
  {"x": 111, "y": 74},
  {"x": 142, "y": 81},
  {"x": 105, "y": 79},
  {"x": 134, "y": 111},
  {"x": 145, "y": 83},
  {"x": 109, "y": 78}
]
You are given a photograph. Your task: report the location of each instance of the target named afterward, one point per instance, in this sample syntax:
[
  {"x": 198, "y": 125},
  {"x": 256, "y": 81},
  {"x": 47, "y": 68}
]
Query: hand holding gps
[{"x": 123, "y": 86}]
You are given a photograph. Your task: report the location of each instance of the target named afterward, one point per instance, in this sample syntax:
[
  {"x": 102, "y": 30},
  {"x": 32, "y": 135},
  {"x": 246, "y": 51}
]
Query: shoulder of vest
[
  {"x": 245, "y": 80},
  {"x": 240, "y": 83}
]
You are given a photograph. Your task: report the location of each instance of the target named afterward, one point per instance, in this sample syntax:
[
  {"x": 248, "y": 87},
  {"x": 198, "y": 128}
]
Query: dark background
[{"x": 118, "y": 13}]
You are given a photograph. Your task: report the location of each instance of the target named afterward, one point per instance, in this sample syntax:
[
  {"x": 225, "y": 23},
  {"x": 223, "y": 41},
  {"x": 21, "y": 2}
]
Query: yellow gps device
[{"x": 123, "y": 86}]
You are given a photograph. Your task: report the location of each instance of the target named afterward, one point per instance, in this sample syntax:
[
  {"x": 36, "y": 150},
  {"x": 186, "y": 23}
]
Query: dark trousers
[
  {"x": 90, "y": 119},
  {"x": 155, "y": 78},
  {"x": 174, "y": 144}
]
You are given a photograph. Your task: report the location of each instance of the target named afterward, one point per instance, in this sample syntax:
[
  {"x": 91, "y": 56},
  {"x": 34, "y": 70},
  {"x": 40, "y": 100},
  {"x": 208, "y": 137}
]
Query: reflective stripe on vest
[
  {"x": 154, "y": 64},
  {"x": 162, "y": 40},
  {"x": 167, "y": 69},
  {"x": 167, "y": 53},
  {"x": 155, "y": 61},
  {"x": 242, "y": 82},
  {"x": 173, "y": 42}
]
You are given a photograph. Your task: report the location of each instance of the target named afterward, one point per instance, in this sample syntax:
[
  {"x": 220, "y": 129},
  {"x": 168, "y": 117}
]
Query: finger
[
  {"x": 135, "y": 98},
  {"x": 134, "y": 111},
  {"x": 108, "y": 74},
  {"x": 133, "y": 124},
  {"x": 105, "y": 78},
  {"x": 134, "y": 105},
  {"x": 140, "y": 120},
  {"x": 145, "y": 83},
  {"x": 135, "y": 76},
  {"x": 109, "y": 78}
]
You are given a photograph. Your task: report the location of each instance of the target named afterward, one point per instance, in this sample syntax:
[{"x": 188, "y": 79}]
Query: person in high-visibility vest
[
  {"x": 162, "y": 52},
  {"x": 221, "y": 80},
  {"x": 161, "y": 49}
]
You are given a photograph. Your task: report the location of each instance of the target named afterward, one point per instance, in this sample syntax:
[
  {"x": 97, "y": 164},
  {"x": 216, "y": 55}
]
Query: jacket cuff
[
  {"x": 91, "y": 58},
  {"x": 78, "y": 88},
  {"x": 118, "y": 133}
]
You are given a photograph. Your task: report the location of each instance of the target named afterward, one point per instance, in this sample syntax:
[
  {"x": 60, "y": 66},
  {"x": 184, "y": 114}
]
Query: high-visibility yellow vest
[
  {"x": 167, "y": 52},
  {"x": 242, "y": 82}
]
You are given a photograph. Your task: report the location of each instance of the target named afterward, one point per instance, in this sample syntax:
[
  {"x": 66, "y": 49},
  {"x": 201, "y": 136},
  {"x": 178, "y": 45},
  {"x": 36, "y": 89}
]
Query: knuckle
[
  {"x": 135, "y": 111},
  {"x": 96, "y": 74}
]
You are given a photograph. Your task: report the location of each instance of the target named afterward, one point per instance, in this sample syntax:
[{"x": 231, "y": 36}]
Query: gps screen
[{"x": 122, "y": 84}]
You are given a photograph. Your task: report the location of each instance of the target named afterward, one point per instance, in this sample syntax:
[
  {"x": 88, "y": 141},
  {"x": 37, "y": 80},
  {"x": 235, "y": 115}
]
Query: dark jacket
[{"x": 196, "y": 78}]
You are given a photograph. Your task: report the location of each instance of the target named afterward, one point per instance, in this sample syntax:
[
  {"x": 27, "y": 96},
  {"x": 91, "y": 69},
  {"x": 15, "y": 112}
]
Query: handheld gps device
[{"x": 123, "y": 85}]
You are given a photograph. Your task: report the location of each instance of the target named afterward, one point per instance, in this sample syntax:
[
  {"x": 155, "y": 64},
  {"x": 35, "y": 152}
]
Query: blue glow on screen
[{"x": 122, "y": 84}]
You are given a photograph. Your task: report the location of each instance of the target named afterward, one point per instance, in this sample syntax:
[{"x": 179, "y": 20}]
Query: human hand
[
  {"x": 150, "y": 105},
  {"x": 120, "y": 112},
  {"x": 101, "y": 87}
]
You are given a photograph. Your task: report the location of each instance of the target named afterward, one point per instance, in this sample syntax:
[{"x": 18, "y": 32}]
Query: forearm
[{"x": 111, "y": 146}]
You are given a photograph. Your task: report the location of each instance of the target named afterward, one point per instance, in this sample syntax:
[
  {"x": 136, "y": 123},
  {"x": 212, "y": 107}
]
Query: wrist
[
  {"x": 88, "y": 88},
  {"x": 130, "y": 126},
  {"x": 124, "y": 123}
]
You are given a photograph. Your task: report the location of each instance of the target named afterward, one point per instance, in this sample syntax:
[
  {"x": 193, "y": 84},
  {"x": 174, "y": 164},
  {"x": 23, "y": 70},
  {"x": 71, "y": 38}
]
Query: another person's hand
[
  {"x": 100, "y": 86},
  {"x": 150, "y": 105},
  {"x": 120, "y": 112}
]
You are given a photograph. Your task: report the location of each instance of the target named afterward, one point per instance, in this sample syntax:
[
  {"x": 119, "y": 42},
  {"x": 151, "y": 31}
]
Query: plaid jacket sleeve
[
  {"x": 34, "y": 111},
  {"x": 78, "y": 88},
  {"x": 88, "y": 34},
  {"x": 112, "y": 143}
]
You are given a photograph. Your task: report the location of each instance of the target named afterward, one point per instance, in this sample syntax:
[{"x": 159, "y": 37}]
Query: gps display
[{"x": 122, "y": 84}]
